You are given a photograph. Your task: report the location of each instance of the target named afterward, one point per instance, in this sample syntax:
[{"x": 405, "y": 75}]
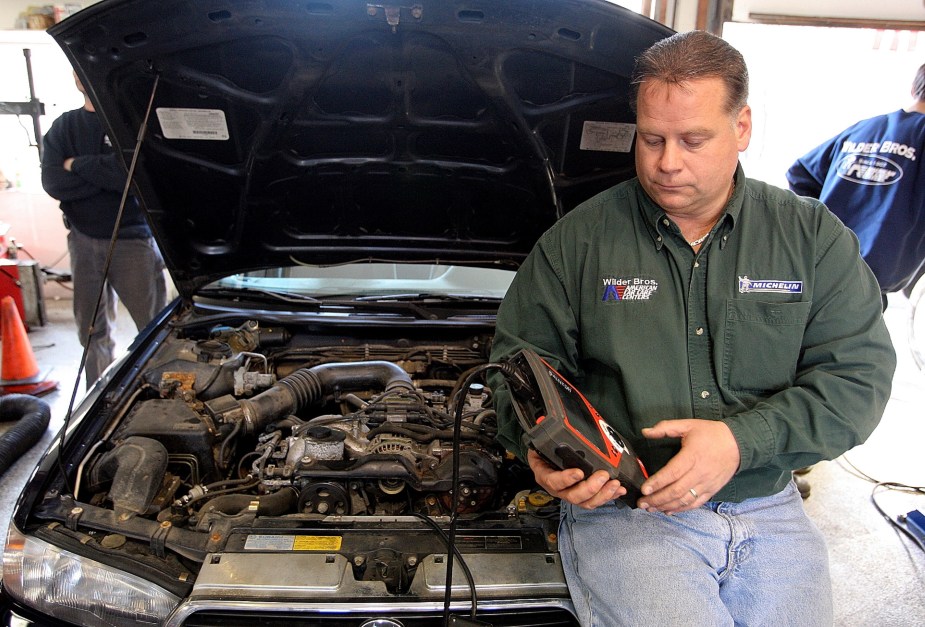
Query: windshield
[{"x": 374, "y": 279}]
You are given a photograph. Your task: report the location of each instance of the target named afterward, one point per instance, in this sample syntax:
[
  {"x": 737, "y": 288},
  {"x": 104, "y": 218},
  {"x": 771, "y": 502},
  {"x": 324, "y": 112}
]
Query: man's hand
[
  {"x": 68, "y": 163},
  {"x": 570, "y": 485},
  {"x": 708, "y": 459}
]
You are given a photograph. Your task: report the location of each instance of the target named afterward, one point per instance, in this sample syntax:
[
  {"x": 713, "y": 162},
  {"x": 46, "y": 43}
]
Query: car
[{"x": 342, "y": 192}]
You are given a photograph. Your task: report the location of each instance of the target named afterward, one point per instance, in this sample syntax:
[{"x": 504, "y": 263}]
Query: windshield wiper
[
  {"x": 285, "y": 296},
  {"x": 425, "y": 305},
  {"x": 422, "y": 305},
  {"x": 428, "y": 297}
]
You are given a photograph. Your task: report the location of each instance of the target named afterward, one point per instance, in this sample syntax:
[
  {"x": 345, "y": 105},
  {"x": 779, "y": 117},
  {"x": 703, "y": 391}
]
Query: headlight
[{"x": 79, "y": 590}]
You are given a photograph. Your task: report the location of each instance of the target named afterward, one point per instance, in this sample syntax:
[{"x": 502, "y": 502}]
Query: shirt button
[
  {"x": 699, "y": 331},
  {"x": 696, "y": 264},
  {"x": 659, "y": 238},
  {"x": 665, "y": 222},
  {"x": 704, "y": 394}
]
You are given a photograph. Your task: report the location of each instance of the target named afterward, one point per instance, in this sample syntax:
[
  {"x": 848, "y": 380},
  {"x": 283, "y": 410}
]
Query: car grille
[{"x": 502, "y": 618}]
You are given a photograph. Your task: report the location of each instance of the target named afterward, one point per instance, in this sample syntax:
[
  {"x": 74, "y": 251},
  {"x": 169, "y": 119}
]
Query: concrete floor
[{"x": 878, "y": 574}]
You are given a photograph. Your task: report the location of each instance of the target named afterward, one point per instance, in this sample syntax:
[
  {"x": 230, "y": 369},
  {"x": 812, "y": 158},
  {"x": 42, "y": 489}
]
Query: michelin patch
[
  {"x": 747, "y": 285},
  {"x": 627, "y": 288}
]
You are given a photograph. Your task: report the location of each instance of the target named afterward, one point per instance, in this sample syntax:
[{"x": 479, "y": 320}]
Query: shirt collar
[{"x": 655, "y": 216}]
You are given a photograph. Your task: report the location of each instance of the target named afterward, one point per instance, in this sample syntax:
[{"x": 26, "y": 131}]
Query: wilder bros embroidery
[{"x": 633, "y": 288}]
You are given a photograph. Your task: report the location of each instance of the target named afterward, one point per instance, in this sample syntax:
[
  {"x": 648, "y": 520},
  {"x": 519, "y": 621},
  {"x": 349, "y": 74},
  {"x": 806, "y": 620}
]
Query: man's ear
[{"x": 743, "y": 126}]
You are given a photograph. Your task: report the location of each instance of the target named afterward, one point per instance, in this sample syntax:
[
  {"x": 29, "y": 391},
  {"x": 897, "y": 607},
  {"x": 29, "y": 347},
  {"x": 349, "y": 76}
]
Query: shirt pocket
[{"x": 762, "y": 342}]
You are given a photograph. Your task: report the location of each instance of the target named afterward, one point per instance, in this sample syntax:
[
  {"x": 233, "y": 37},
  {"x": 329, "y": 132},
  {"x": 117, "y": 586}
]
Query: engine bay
[{"x": 232, "y": 439}]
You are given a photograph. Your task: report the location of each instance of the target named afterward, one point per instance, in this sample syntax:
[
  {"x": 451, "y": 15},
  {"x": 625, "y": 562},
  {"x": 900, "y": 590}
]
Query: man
[
  {"x": 870, "y": 175},
  {"x": 80, "y": 169},
  {"x": 757, "y": 346}
]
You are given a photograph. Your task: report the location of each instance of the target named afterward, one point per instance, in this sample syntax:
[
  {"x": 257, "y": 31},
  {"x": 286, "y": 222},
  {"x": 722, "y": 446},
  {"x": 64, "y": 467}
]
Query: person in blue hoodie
[
  {"x": 870, "y": 175},
  {"x": 82, "y": 171}
]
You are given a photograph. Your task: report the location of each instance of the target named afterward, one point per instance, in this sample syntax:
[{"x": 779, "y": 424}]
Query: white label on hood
[
  {"x": 193, "y": 123},
  {"x": 607, "y": 136}
]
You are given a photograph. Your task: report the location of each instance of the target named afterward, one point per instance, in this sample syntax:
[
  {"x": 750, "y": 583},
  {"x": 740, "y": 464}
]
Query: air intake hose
[{"x": 308, "y": 386}]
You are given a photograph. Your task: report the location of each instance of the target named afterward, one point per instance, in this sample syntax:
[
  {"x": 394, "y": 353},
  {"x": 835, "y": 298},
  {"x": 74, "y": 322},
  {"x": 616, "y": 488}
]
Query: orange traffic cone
[{"x": 19, "y": 372}]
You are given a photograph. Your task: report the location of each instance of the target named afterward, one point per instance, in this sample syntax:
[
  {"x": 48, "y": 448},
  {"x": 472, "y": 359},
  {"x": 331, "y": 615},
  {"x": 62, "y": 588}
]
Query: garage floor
[{"x": 878, "y": 574}]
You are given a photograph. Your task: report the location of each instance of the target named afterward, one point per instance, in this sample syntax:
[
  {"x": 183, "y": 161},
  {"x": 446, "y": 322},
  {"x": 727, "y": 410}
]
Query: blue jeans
[
  {"x": 759, "y": 562},
  {"x": 136, "y": 276}
]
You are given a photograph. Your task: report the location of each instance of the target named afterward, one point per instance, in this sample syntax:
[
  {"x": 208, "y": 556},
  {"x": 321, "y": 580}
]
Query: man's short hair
[
  {"x": 692, "y": 55},
  {"x": 918, "y": 85}
]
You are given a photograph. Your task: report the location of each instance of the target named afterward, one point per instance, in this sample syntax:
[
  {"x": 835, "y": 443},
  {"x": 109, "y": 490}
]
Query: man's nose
[{"x": 670, "y": 159}]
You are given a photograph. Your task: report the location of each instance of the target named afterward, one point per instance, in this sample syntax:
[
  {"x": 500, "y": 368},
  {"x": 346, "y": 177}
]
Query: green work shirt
[{"x": 774, "y": 327}]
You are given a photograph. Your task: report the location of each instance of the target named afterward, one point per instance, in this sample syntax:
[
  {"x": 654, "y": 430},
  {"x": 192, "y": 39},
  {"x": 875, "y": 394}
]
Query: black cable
[
  {"x": 458, "y": 400},
  {"x": 214, "y": 376},
  {"x": 451, "y": 547},
  {"x": 894, "y": 522},
  {"x": 889, "y": 485},
  {"x": 226, "y": 442},
  {"x": 854, "y": 470},
  {"x": 15, "y": 111}
]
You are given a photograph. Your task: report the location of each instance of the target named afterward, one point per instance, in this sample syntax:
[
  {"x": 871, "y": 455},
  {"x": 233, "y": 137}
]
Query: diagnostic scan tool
[{"x": 561, "y": 425}]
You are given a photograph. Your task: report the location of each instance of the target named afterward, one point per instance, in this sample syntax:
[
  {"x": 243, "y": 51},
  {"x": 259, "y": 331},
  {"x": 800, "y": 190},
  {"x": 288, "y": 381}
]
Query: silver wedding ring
[{"x": 693, "y": 493}]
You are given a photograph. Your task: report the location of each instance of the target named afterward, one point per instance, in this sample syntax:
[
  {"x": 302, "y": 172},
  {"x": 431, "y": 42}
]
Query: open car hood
[{"x": 283, "y": 132}]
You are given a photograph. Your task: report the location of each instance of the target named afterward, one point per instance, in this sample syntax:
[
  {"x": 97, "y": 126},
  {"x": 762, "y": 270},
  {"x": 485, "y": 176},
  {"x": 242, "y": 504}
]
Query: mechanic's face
[{"x": 688, "y": 145}]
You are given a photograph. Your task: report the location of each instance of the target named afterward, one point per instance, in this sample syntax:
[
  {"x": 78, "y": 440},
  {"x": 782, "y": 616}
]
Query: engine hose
[
  {"x": 275, "y": 504},
  {"x": 308, "y": 386},
  {"x": 33, "y": 415}
]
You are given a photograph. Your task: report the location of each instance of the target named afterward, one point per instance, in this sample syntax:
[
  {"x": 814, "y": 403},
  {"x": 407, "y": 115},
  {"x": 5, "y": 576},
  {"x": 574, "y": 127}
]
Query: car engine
[
  {"x": 346, "y": 438},
  {"x": 230, "y": 426}
]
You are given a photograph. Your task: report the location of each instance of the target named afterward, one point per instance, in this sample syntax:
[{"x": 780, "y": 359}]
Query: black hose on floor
[{"x": 33, "y": 415}]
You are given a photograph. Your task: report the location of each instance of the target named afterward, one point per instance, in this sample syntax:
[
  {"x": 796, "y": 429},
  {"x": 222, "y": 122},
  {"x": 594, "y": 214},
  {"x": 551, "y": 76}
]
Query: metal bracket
[
  {"x": 158, "y": 540},
  {"x": 392, "y": 12}
]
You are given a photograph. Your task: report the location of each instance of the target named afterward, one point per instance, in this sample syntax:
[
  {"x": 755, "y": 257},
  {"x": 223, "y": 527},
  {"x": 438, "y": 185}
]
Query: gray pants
[{"x": 136, "y": 277}]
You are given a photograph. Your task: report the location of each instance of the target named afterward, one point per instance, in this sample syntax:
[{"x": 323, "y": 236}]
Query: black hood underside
[{"x": 283, "y": 132}]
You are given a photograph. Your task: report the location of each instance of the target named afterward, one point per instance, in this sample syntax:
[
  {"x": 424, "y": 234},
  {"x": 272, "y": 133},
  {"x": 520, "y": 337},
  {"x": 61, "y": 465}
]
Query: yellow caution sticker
[{"x": 317, "y": 543}]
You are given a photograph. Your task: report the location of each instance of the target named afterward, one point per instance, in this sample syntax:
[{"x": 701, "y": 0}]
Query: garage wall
[
  {"x": 817, "y": 82},
  {"x": 32, "y": 217},
  {"x": 10, "y": 10},
  {"x": 899, "y": 10}
]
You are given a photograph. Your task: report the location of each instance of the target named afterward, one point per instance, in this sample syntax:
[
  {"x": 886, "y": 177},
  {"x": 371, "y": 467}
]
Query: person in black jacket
[{"x": 82, "y": 171}]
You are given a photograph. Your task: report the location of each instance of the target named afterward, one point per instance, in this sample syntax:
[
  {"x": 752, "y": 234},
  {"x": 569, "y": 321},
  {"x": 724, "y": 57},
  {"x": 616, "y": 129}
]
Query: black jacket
[{"x": 91, "y": 192}]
